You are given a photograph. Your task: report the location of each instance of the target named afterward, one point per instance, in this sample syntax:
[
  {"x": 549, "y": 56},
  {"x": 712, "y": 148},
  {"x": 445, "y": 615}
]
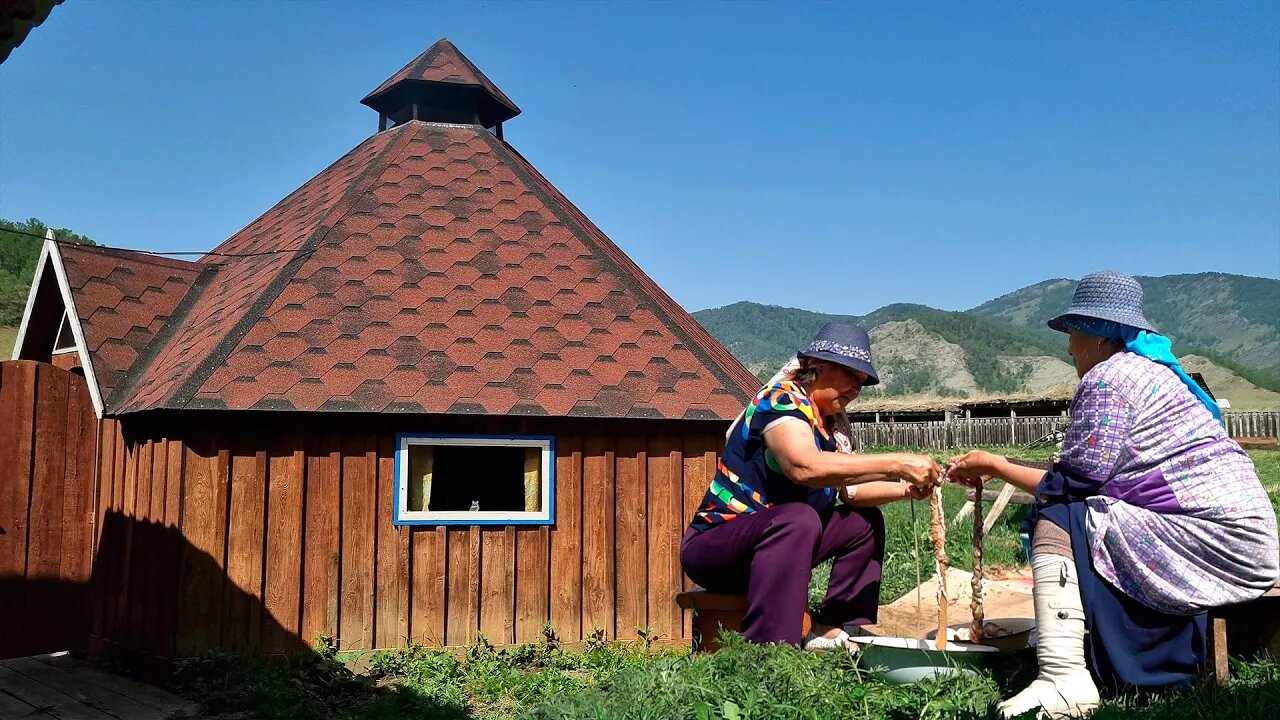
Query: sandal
[{"x": 817, "y": 642}]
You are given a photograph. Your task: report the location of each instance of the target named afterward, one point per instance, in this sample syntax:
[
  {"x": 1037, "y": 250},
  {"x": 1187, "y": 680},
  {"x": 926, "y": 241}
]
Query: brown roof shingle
[{"x": 123, "y": 299}]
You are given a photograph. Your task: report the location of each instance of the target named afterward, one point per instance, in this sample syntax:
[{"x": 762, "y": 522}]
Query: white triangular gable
[{"x": 51, "y": 258}]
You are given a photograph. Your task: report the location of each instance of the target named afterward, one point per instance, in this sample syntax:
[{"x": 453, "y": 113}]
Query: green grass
[
  {"x": 741, "y": 682},
  {"x": 545, "y": 682},
  {"x": 8, "y": 335},
  {"x": 484, "y": 683}
]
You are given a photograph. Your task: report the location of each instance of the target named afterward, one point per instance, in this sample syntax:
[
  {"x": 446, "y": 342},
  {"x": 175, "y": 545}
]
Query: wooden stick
[
  {"x": 979, "y": 614},
  {"x": 915, "y": 541},
  {"x": 938, "y": 534}
]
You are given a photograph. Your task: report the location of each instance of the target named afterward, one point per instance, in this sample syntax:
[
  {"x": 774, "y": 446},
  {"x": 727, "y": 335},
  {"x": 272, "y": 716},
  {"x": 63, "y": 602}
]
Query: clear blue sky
[{"x": 837, "y": 157}]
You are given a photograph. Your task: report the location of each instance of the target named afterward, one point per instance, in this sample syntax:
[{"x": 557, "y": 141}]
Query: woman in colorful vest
[
  {"x": 1148, "y": 517},
  {"x": 771, "y": 515}
]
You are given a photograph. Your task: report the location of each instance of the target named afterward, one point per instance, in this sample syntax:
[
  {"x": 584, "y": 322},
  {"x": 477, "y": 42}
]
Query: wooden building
[
  {"x": 933, "y": 408},
  {"x": 420, "y": 399}
]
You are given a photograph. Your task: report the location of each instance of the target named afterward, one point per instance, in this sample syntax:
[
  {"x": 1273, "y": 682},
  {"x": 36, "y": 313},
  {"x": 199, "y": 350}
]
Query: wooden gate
[{"x": 48, "y": 448}]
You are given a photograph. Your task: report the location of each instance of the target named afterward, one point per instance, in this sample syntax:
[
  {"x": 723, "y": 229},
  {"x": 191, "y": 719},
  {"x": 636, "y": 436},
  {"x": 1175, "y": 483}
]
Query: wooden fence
[
  {"x": 47, "y": 445},
  {"x": 961, "y": 433},
  {"x": 1253, "y": 424}
]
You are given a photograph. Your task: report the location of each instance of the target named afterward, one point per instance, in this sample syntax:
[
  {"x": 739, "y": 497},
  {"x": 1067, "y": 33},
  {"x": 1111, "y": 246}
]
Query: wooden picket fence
[
  {"x": 961, "y": 433},
  {"x": 1253, "y": 424}
]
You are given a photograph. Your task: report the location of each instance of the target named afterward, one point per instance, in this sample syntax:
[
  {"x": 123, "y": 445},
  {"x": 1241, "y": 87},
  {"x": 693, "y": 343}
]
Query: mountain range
[{"x": 1225, "y": 326}]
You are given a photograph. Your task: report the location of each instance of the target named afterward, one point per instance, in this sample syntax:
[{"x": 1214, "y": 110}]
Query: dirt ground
[{"x": 1006, "y": 596}]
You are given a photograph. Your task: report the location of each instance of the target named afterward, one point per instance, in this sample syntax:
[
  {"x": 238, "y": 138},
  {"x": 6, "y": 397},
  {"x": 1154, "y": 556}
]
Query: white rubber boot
[{"x": 1064, "y": 687}]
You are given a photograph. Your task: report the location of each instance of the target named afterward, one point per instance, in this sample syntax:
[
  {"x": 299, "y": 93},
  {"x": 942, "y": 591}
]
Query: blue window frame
[{"x": 448, "y": 479}]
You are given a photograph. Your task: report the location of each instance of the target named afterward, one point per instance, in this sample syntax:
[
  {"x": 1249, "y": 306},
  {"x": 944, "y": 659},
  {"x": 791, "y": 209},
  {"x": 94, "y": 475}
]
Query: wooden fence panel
[
  {"x": 48, "y": 450},
  {"x": 965, "y": 433}
]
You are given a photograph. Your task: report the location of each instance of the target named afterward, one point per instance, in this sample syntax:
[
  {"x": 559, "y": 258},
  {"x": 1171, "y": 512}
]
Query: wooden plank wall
[
  {"x": 47, "y": 447},
  {"x": 283, "y": 534}
]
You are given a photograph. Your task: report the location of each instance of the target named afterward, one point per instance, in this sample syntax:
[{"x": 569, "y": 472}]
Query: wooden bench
[
  {"x": 1249, "y": 627},
  {"x": 999, "y": 499},
  {"x": 715, "y": 611}
]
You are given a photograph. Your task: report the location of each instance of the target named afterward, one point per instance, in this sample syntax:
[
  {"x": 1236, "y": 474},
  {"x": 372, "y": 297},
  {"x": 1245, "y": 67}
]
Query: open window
[{"x": 474, "y": 479}]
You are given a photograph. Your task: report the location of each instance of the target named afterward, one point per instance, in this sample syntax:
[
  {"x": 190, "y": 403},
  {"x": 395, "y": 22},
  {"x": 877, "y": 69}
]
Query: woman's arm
[
  {"x": 977, "y": 465},
  {"x": 791, "y": 444},
  {"x": 881, "y": 492}
]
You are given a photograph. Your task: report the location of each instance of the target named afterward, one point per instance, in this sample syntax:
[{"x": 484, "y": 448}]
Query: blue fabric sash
[{"x": 1131, "y": 645}]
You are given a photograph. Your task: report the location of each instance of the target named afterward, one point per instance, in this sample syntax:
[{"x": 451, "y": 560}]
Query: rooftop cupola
[{"x": 441, "y": 85}]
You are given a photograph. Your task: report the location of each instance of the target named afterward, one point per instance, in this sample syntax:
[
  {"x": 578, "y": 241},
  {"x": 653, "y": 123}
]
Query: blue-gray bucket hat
[
  {"x": 1106, "y": 295},
  {"x": 843, "y": 344}
]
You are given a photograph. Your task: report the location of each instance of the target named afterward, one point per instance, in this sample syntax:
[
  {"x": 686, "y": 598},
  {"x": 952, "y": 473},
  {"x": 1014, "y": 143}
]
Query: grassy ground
[
  {"x": 545, "y": 682},
  {"x": 8, "y": 335}
]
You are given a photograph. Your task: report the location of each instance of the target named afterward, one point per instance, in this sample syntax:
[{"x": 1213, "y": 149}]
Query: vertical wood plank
[
  {"x": 391, "y": 621},
  {"x": 695, "y": 487},
  {"x": 17, "y": 395},
  {"x": 150, "y": 547},
  {"x": 496, "y": 590},
  {"x": 204, "y": 525},
  {"x": 532, "y": 580},
  {"x": 321, "y": 548},
  {"x": 172, "y": 543},
  {"x": 106, "y": 553},
  {"x": 359, "y": 501},
  {"x": 666, "y": 527},
  {"x": 631, "y": 544},
  {"x": 566, "y": 541},
  {"x": 106, "y": 460},
  {"x": 598, "y": 610},
  {"x": 44, "y": 529},
  {"x": 430, "y": 577},
  {"x": 139, "y": 546},
  {"x": 78, "y": 514},
  {"x": 463, "y": 573},
  {"x": 282, "y": 601},
  {"x": 242, "y": 606},
  {"x": 116, "y": 548}
]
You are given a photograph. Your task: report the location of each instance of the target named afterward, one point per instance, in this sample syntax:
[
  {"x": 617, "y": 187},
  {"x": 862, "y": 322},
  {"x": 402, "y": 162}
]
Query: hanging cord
[
  {"x": 915, "y": 537},
  {"x": 209, "y": 253}
]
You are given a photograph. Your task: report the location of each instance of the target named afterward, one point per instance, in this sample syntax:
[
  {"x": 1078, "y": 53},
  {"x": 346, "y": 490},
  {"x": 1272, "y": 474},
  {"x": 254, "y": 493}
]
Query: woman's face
[
  {"x": 1086, "y": 351},
  {"x": 835, "y": 387}
]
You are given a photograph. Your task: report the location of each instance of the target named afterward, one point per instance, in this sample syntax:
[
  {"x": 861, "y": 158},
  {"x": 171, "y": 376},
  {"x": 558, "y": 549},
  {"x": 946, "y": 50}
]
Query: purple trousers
[{"x": 770, "y": 555}]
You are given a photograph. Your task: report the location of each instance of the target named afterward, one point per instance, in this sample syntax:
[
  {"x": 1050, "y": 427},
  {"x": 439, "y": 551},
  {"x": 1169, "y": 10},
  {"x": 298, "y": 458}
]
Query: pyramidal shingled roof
[
  {"x": 441, "y": 64},
  {"x": 432, "y": 269}
]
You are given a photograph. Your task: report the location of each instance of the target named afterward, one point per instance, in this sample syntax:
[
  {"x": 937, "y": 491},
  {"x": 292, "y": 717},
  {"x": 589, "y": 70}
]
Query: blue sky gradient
[{"x": 836, "y": 157}]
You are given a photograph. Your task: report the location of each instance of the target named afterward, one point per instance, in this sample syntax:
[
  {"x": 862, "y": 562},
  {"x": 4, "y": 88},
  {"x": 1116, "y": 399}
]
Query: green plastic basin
[{"x": 902, "y": 661}]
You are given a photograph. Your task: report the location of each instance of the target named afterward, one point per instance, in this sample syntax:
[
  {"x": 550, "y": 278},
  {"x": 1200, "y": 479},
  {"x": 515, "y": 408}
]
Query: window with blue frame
[{"x": 475, "y": 479}]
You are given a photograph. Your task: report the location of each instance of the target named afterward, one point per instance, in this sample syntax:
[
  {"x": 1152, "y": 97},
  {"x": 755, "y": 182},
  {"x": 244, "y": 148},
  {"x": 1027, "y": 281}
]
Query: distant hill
[
  {"x": 1232, "y": 316},
  {"x": 918, "y": 348},
  {"x": 1228, "y": 322}
]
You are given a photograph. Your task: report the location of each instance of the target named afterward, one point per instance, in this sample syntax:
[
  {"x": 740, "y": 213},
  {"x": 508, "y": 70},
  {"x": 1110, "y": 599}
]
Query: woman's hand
[
  {"x": 973, "y": 467},
  {"x": 916, "y": 492},
  {"x": 976, "y": 467},
  {"x": 919, "y": 470}
]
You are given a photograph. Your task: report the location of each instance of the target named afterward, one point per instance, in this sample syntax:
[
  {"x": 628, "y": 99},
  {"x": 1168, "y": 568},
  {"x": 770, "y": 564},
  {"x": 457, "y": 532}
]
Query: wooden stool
[
  {"x": 1253, "y": 626},
  {"x": 715, "y": 611}
]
